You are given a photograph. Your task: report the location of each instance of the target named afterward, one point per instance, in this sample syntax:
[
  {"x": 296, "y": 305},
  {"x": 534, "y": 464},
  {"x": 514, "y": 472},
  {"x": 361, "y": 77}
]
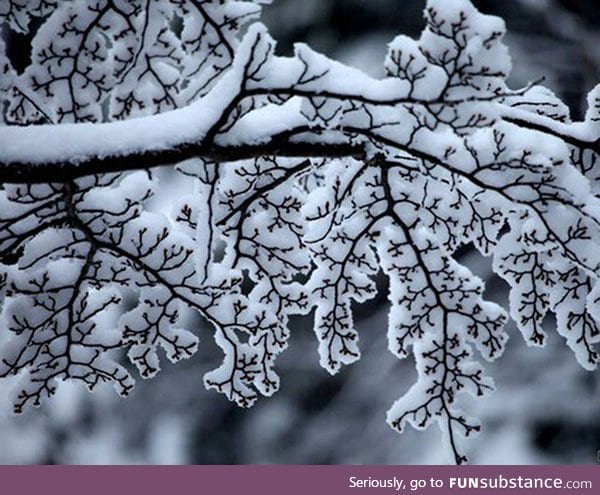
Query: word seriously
[{"x": 472, "y": 482}]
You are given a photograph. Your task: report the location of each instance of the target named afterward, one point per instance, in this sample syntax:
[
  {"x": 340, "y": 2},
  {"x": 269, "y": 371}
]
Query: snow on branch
[{"x": 314, "y": 176}]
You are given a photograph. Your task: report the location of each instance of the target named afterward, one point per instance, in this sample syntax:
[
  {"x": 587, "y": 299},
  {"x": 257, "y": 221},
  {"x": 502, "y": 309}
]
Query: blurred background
[{"x": 546, "y": 408}]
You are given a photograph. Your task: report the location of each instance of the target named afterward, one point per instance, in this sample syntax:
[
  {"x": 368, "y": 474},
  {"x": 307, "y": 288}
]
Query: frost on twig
[{"x": 312, "y": 175}]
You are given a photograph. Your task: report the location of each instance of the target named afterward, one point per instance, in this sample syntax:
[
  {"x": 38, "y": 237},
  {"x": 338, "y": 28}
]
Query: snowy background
[{"x": 544, "y": 411}]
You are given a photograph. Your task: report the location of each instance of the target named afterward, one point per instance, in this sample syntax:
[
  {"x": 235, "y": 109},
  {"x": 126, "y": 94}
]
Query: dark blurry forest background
[{"x": 546, "y": 408}]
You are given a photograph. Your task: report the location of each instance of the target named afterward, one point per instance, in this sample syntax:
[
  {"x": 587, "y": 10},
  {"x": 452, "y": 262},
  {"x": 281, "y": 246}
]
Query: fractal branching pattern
[{"x": 310, "y": 178}]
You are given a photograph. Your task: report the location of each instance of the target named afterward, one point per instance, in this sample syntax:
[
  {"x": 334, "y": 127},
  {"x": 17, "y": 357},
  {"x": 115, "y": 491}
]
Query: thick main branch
[
  {"x": 34, "y": 173},
  {"x": 310, "y": 145}
]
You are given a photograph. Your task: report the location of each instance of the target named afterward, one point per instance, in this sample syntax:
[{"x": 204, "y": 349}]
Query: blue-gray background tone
[{"x": 546, "y": 407}]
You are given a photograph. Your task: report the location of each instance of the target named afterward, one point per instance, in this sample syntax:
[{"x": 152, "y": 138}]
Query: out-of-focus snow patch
[
  {"x": 507, "y": 446},
  {"x": 168, "y": 442}
]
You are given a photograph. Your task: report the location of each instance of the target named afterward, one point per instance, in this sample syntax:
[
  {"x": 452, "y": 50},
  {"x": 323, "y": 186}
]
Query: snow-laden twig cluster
[{"x": 312, "y": 175}]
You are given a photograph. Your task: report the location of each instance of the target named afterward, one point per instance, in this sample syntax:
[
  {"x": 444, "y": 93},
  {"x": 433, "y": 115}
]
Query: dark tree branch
[
  {"x": 567, "y": 138},
  {"x": 39, "y": 173}
]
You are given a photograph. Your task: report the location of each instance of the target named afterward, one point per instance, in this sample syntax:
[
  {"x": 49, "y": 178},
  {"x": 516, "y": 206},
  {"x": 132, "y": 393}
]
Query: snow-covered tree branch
[{"x": 310, "y": 176}]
